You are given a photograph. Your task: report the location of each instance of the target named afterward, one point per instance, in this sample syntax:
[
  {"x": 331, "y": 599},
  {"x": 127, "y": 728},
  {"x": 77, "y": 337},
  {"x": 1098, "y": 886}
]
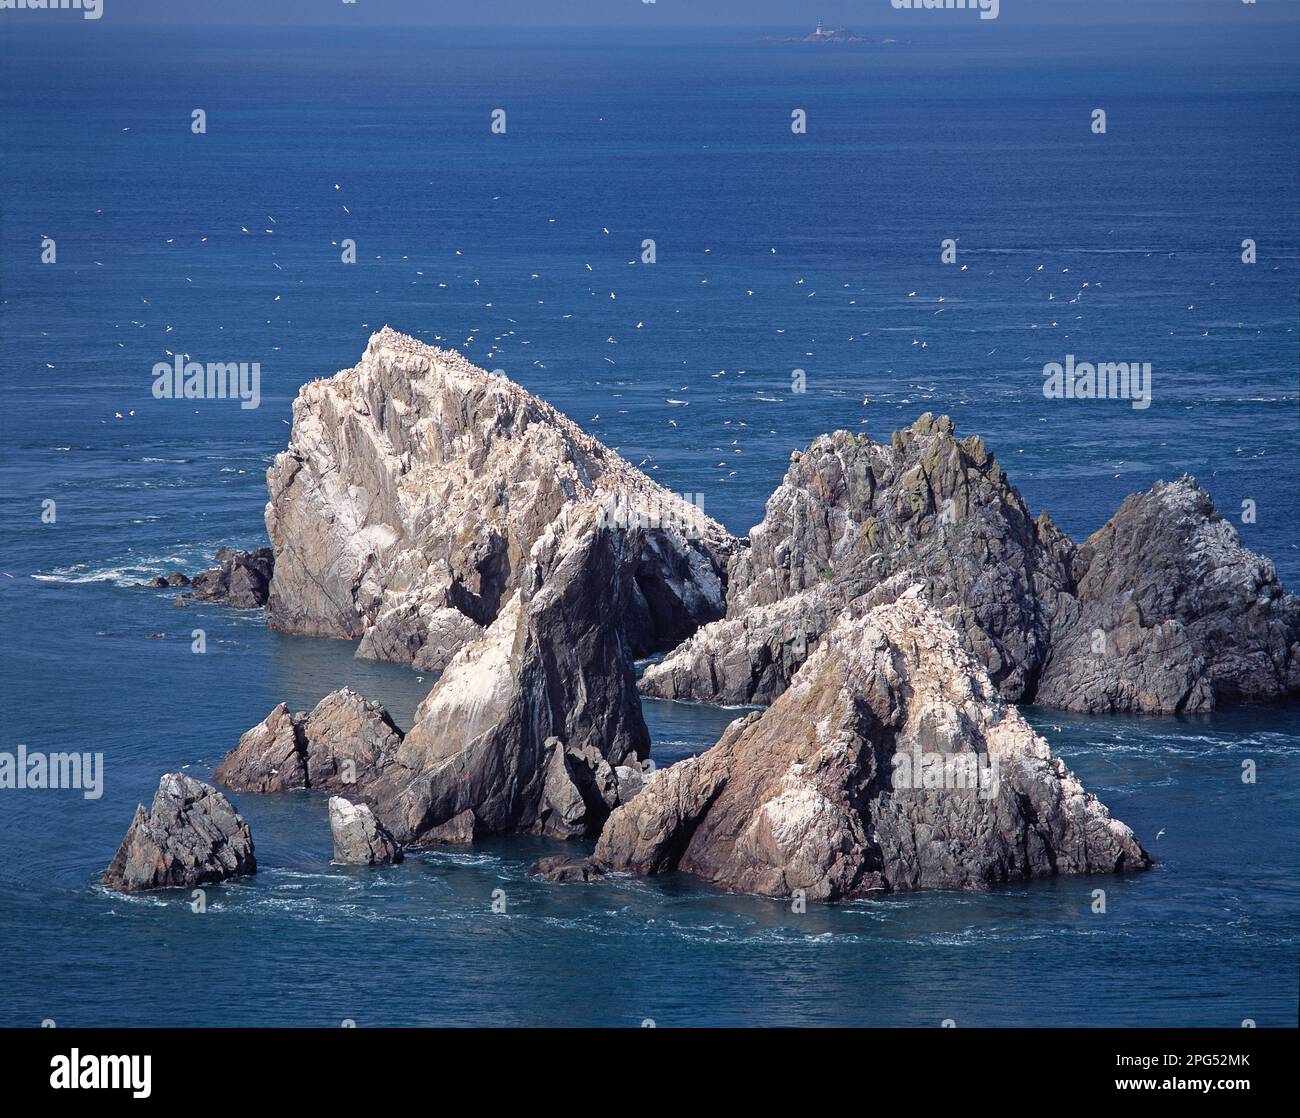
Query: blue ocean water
[{"x": 775, "y": 252}]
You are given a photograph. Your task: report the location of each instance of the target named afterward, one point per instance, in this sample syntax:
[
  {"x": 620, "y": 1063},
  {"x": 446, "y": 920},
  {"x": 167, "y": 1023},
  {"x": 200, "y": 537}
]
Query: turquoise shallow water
[{"x": 687, "y": 142}]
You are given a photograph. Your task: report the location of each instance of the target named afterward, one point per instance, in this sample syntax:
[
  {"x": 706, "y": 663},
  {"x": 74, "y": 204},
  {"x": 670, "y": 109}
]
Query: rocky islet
[{"x": 896, "y": 599}]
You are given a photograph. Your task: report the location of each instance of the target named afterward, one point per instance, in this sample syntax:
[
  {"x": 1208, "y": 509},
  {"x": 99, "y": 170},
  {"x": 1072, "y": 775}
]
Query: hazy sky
[{"x": 854, "y": 14}]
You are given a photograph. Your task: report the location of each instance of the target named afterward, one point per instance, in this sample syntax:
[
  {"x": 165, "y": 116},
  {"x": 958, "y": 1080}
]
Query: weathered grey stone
[
  {"x": 359, "y": 838},
  {"x": 191, "y": 835},
  {"x": 892, "y": 762},
  {"x": 628, "y": 782},
  {"x": 749, "y": 658},
  {"x": 425, "y": 636},
  {"x": 1161, "y": 610},
  {"x": 415, "y": 487},
  {"x": 1173, "y": 614},
  {"x": 459, "y": 830},
  {"x": 345, "y": 739},
  {"x": 269, "y": 757},
  {"x": 348, "y": 739},
  {"x": 854, "y": 523}
]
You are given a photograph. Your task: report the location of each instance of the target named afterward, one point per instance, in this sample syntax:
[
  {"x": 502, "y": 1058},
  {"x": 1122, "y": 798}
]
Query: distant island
[{"x": 837, "y": 35}]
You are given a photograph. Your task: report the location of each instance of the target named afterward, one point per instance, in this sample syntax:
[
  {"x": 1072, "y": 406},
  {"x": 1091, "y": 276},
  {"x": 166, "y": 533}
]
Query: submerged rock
[
  {"x": 561, "y": 869},
  {"x": 159, "y": 582},
  {"x": 406, "y": 510},
  {"x": 241, "y": 579},
  {"x": 529, "y": 726},
  {"x": 345, "y": 739},
  {"x": 856, "y": 522},
  {"x": 1173, "y": 614},
  {"x": 192, "y": 835},
  {"x": 892, "y": 762},
  {"x": 359, "y": 838}
]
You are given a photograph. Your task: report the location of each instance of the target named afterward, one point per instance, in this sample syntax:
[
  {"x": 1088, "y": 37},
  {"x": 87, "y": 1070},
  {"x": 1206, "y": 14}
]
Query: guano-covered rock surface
[{"x": 412, "y": 493}]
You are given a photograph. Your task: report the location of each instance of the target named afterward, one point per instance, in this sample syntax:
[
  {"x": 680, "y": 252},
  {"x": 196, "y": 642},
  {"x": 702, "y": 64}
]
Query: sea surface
[{"x": 775, "y": 252}]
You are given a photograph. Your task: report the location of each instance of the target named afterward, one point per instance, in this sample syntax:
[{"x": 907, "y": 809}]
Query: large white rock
[{"x": 414, "y": 488}]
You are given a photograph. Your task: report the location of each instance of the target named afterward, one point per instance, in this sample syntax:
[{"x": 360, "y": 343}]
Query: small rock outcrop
[
  {"x": 241, "y": 579},
  {"x": 359, "y": 838},
  {"x": 191, "y": 835},
  {"x": 1173, "y": 615},
  {"x": 176, "y": 578},
  {"x": 269, "y": 757},
  {"x": 535, "y": 727},
  {"x": 856, "y": 522},
  {"x": 406, "y": 510},
  {"x": 892, "y": 762},
  {"x": 561, "y": 869},
  {"x": 344, "y": 740}
]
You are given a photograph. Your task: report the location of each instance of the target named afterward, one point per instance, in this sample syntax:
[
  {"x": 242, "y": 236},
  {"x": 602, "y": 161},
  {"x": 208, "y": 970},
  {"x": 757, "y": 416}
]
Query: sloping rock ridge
[
  {"x": 892, "y": 762},
  {"x": 857, "y": 522},
  {"x": 191, "y": 835},
  {"x": 1173, "y": 614},
  {"x": 414, "y": 489}
]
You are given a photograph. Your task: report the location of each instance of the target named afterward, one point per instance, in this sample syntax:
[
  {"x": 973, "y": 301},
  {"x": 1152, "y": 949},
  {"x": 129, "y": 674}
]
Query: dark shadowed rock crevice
[{"x": 536, "y": 726}]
